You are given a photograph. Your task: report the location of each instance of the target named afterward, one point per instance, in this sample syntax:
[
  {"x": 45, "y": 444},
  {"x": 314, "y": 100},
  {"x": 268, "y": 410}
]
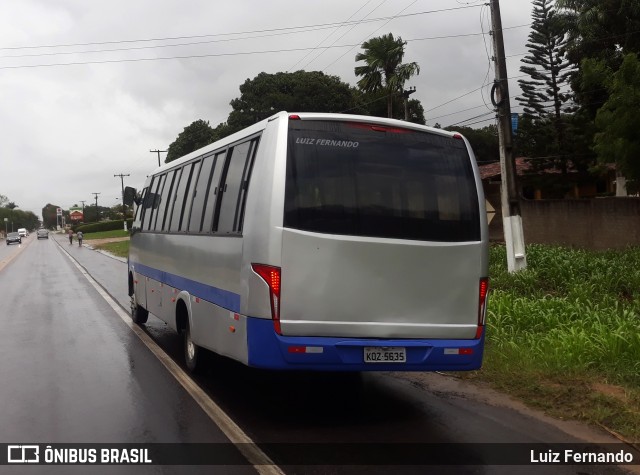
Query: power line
[
  {"x": 138, "y": 48},
  {"x": 492, "y": 113},
  {"x": 190, "y": 56},
  {"x": 344, "y": 34},
  {"x": 170, "y": 38},
  {"x": 335, "y": 30},
  {"x": 175, "y": 45},
  {"x": 161, "y": 58},
  {"x": 473, "y": 123},
  {"x": 369, "y": 36}
]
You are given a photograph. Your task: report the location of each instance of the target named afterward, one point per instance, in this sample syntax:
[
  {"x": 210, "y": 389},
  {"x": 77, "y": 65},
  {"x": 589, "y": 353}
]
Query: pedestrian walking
[
  {"x": 70, "y": 236},
  {"x": 80, "y": 236}
]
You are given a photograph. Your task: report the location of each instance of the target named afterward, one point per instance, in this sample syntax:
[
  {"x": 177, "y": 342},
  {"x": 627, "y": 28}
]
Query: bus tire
[
  {"x": 192, "y": 352},
  {"x": 139, "y": 315}
]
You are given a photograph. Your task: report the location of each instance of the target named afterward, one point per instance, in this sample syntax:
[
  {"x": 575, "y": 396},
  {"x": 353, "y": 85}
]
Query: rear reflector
[
  {"x": 294, "y": 117},
  {"x": 458, "y": 351},
  {"x": 305, "y": 349},
  {"x": 271, "y": 276}
]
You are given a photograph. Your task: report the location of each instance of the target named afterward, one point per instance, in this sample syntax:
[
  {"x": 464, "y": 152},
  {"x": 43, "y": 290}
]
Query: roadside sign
[{"x": 491, "y": 212}]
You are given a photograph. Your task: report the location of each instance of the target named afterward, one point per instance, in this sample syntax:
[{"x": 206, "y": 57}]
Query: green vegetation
[
  {"x": 383, "y": 69},
  {"x": 95, "y": 228},
  {"x": 120, "y": 248},
  {"x": 15, "y": 217},
  {"x": 116, "y": 233},
  {"x": 564, "y": 334}
]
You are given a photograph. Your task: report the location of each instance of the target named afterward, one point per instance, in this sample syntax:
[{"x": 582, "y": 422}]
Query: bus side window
[
  {"x": 178, "y": 206},
  {"x": 189, "y": 196},
  {"x": 200, "y": 194},
  {"x": 158, "y": 202},
  {"x": 172, "y": 200},
  {"x": 237, "y": 168},
  {"x": 164, "y": 200},
  {"x": 140, "y": 207},
  {"x": 242, "y": 199},
  {"x": 149, "y": 203},
  {"x": 212, "y": 193}
]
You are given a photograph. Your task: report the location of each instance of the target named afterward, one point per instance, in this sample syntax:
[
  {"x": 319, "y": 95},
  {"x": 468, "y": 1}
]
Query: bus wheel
[
  {"x": 192, "y": 352},
  {"x": 139, "y": 315}
]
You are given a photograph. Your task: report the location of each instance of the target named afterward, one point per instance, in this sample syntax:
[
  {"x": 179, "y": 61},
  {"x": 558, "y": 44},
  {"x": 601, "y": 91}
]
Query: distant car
[
  {"x": 23, "y": 232},
  {"x": 43, "y": 233},
  {"x": 14, "y": 237}
]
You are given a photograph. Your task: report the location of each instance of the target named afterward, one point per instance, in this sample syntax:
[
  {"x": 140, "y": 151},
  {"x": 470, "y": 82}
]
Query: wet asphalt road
[{"x": 72, "y": 371}]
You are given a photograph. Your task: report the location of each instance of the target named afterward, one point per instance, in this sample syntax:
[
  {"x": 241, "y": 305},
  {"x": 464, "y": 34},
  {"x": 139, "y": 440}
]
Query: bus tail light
[
  {"x": 271, "y": 276},
  {"x": 482, "y": 305}
]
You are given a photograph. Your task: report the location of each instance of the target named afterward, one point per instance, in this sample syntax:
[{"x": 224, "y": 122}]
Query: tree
[
  {"x": 93, "y": 214},
  {"x": 546, "y": 96},
  {"x": 618, "y": 120},
  {"x": 300, "y": 91},
  {"x": 193, "y": 137},
  {"x": 49, "y": 216},
  {"x": 17, "y": 218},
  {"x": 600, "y": 30},
  {"x": 375, "y": 104},
  {"x": 383, "y": 69},
  {"x": 484, "y": 142}
]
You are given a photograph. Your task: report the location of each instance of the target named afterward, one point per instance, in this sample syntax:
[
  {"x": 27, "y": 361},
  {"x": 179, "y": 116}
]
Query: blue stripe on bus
[
  {"x": 221, "y": 297},
  {"x": 269, "y": 350}
]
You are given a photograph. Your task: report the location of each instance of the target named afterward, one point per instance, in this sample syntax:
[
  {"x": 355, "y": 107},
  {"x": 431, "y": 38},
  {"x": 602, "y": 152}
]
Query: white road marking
[{"x": 260, "y": 461}]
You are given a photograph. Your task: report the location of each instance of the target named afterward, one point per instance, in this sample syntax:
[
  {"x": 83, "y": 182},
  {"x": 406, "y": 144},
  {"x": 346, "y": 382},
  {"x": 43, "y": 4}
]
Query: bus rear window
[{"x": 370, "y": 180}]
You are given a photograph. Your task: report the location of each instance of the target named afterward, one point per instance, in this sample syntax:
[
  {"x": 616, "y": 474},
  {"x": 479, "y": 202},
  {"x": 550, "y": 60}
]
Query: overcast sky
[{"x": 87, "y": 88}]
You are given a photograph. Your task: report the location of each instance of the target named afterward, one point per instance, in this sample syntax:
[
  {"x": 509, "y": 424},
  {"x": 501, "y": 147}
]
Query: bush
[{"x": 103, "y": 226}]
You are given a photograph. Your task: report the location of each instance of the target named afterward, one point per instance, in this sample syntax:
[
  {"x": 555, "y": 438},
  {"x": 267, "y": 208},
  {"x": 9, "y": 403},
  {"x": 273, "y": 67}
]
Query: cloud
[{"x": 66, "y": 130}]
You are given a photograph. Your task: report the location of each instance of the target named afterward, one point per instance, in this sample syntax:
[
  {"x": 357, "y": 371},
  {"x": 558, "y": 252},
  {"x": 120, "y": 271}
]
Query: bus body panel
[
  {"x": 340, "y": 293},
  {"x": 383, "y": 288},
  {"x": 219, "y": 329},
  {"x": 271, "y": 351},
  {"x": 262, "y": 233}
]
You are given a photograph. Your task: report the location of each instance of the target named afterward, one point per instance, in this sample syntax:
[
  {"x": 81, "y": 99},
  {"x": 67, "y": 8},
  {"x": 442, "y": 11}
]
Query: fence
[{"x": 601, "y": 223}]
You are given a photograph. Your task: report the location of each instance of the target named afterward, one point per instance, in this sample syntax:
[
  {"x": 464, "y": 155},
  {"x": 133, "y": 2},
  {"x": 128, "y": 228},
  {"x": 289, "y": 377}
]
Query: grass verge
[
  {"x": 564, "y": 335},
  {"x": 107, "y": 234},
  {"x": 120, "y": 248}
]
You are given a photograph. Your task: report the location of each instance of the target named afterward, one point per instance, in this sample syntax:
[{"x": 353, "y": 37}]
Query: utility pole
[
  {"x": 97, "y": 213},
  {"x": 83, "y": 202},
  {"x": 124, "y": 214},
  {"x": 406, "y": 93},
  {"x": 511, "y": 217},
  {"x": 158, "y": 152}
]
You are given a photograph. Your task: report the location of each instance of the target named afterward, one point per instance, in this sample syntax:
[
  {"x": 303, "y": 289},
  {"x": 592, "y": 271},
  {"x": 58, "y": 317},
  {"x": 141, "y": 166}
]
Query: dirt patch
[{"x": 611, "y": 390}]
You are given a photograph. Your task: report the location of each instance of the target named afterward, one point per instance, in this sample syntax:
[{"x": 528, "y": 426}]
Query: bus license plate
[{"x": 375, "y": 354}]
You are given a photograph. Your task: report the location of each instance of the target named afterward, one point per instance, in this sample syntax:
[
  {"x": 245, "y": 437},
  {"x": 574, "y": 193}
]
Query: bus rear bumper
[{"x": 269, "y": 350}]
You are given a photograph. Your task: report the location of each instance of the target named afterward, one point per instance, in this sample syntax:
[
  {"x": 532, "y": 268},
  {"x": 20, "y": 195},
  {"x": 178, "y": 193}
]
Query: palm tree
[{"x": 384, "y": 69}]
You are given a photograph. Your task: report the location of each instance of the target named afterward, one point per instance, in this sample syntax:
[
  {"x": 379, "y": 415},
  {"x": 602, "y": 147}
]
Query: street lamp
[{"x": 5, "y": 225}]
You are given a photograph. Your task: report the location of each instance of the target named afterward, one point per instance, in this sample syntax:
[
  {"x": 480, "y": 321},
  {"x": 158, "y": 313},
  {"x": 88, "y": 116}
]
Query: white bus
[{"x": 318, "y": 242}]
